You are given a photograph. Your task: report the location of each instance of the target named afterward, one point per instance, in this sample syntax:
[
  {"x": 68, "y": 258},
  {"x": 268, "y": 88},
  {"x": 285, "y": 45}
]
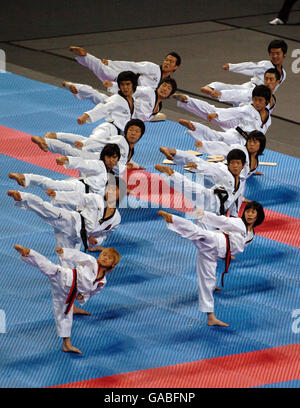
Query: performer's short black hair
[
  {"x": 170, "y": 81},
  {"x": 110, "y": 150},
  {"x": 262, "y": 90},
  {"x": 135, "y": 122},
  {"x": 236, "y": 154},
  {"x": 128, "y": 76},
  {"x": 257, "y": 135},
  {"x": 177, "y": 56},
  {"x": 260, "y": 212},
  {"x": 278, "y": 44},
  {"x": 273, "y": 71}
]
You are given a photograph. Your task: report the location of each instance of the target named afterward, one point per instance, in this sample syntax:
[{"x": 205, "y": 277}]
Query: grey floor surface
[{"x": 204, "y": 47}]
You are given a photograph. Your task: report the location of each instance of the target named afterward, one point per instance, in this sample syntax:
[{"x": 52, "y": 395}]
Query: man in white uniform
[
  {"x": 79, "y": 276},
  {"x": 277, "y": 50},
  {"x": 93, "y": 174},
  {"x": 76, "y": 217},
  {"x": 90, "y": 148},
  {"x": 236, "y": 121},
  {"x": 232, "y": 236},
  {"x": 150, "y": 74},
  {"x": 228, "y": 186}
]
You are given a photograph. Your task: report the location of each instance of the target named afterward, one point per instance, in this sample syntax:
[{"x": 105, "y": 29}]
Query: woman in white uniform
[
  {"x": 232, "y": 236},
  {"x": 79, "y": 276}
]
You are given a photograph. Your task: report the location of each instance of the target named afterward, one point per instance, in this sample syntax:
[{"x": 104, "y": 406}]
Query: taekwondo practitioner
[
  {"x": 150, "y": 74},
  {"x": 76, "y": 217},
  {"x": 93, "y": 174},
  {"x": 78, "y": 276},
  {"x": 277, "y": 50},
  {"x": 235, "y": 96},
  {"x": 228, "y": 185},
  {"x": 147, "y": 101},
  {"x": 89, "y": 149},
  {"x": 230, "y": 238},
  {"x": 237, "y": 120}
]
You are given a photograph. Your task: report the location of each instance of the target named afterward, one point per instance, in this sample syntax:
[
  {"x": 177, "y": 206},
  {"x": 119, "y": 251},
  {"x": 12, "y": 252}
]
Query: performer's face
[
  {"x": 169, "y": 64},
  {"x": 250, "y": 215},
  {"x": 164, "y": 90},
  {"x": 133, "y": 134},
  {"x": 253, "y": 145},
  {"x": 235, "y": 167},
  {"x": 276, "y": 56},
  {"x": 111, "y": 161},
  {"x": 270, "y": 81},
  {"x": 126, "y": 88},
  {"x": 259, "y": 103},
  {"x": 106, "y": 259}
]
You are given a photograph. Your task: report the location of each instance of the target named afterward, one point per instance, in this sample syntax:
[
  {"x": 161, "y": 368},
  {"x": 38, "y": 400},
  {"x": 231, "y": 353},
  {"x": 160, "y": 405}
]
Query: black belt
[
  {"x": 83, "y": 233},
  {"x": 223, "y": 196},
  {"x": 242, "y": 132},
  {"x": 227, "y": 257},
  {"x": 120, "y": 131},
  {"x": 72, "y": 294},
  {"x": 87, "y": 187}
]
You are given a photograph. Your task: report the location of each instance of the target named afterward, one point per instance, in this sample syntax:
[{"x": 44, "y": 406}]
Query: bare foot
[
  {"x": 167, "y": 217},
  {"x": 207, "y": 90},
  {"x": 213, "y": 321},
  {"x": 217, "y": 288},
  {"x": 96, "y": 249},
  {"x": 164, "y": 169},
  {"x": 167, "y": 152},
  {"x": 23, "y": 251},
  {"x": 16, "y": 195},
  {"x": 77, "y": 310},
  {"x": 187, "y": 123},
  {"x": 81, "y": 52},
  {"x": 40, "y": 142},
  {"x": 180, "y": 97},
  {"x": 68, "y": 348},
  {"x": 215, "y": 94},
  {"x": 72, "y": 88},
  {"x": 50, "y": 135},
  {"x": 20, "y": 178},
  {"x": 245, "y": 200}
]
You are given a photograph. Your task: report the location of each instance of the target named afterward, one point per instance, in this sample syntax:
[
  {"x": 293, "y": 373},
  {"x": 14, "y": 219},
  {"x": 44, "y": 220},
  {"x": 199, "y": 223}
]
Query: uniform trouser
[
  {"x": 221, "y": 86},
  {"x": 87, "y": 92},
  {"x": 210, "y": 246},
  {"x": 202, "y": 109},
  {"x": 36, "y": 180},
  {"x": 201, "y": 196},
  {"x": 202, "y": 132},
  {"x": 66, "y": 223},
  {"x": 61, "y": 279},
  {"x": 94, "y": 143}
]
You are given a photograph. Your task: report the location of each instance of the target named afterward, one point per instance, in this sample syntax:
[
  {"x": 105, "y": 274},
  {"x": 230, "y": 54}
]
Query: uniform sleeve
[
  {"x": 226, "y": 114},
  {"x": 75, "y": 257},
  {"x": 145, "y": 67},
  {"x": 114, "y": 88},
  {"x": 226, "y": 224},
  {"x": 90, "y": 167},
  {"x": 102, "y": 109},
  {"x": 250, "y": 68}
]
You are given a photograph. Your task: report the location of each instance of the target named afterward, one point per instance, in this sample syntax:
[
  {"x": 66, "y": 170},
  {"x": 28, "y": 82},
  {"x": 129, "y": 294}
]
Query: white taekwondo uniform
[
  {"x": 69, "y": 223},
  {"x": 245, "y": 117},
  {"x": 202, "y": 108},
  {"x": 92, "y": 179},
  {"x": 150, "y": 73},
  {"x": 211, "y": 246},
  {"x": 254, "y": 69},
  {"x": 62, "y": 279}
]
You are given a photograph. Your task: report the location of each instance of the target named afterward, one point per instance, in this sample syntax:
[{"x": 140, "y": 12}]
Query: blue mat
[{"x": 147, "y": 316}]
